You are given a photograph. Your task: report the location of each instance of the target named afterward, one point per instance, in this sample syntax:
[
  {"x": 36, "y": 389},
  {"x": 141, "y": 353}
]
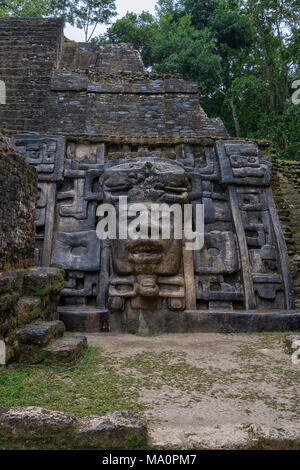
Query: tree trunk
[{"x": 235, "y": 117}]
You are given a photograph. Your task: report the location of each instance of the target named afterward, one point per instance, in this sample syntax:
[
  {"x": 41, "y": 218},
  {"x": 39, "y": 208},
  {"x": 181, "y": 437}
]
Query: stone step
[
  {"x": 39, "y": 333},
  {"x": 65, "y": 349},
  {"x": 28, "y": 309},
  {"x": 81, "y": 317}
]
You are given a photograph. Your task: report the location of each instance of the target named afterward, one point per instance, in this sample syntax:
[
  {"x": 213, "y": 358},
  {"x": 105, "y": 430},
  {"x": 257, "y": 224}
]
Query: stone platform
[
  {"x": 244, "y": 321},
  {"x": 80, "y": 318},
  {"x": 90, "y": 319}
]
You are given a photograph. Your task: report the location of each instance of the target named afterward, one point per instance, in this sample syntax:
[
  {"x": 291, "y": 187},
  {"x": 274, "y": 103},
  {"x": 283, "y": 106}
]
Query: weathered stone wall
[
  {"x": 27, "y": 295},
  {"x": 95, "y": 90},
  {"x": 18, "y": 196},
  {"x": 136, "y": 105},
  {"x": 29, "y": 50},
  {"x": 99, "y": 107},
  {"x": 107, "y": 58},
  {"x": 286, "y": 188}
]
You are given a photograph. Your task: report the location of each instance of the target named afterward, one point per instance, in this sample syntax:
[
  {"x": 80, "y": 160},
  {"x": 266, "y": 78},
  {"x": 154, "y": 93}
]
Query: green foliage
[
  {"x": 85, "y": 14},
  {"x": 244, "y": 54},
  {"x": 180, "y": 49},
  {"x": 25, "y": 8},
  {"x": 138, "y": 30},
  {"x": 283, "y": 130}
]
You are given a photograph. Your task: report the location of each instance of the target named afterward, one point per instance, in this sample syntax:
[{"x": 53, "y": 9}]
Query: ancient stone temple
[{"x": 97, "y": 126}]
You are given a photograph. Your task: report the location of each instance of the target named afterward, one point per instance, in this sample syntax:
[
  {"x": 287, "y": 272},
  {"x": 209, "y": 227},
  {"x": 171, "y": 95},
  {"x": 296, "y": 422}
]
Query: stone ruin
[{"x": 96, "y": 125}]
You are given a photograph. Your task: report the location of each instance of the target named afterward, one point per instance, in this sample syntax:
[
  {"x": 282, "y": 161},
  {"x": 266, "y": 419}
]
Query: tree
[
  {"x": 178, "y": 48},
  {"x": 258, "y": 48},
  {"x": 25, "y": 8},
  {"x": 170, "y": 46},
  {"x": 87, "y": 14},
  {"x": 201, "y": 11},
  {"x": 138, "y": 30}
]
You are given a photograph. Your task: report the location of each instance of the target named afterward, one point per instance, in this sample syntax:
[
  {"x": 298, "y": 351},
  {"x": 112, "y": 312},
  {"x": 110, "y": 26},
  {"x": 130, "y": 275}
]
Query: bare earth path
[{"x": 208, "y": 389}]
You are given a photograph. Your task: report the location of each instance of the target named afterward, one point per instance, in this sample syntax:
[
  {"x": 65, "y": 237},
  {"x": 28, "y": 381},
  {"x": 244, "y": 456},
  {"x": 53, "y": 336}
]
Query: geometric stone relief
[
  {"x": 219, "y": 254},
  {"x": 259, "y": 235},
  {"x": 215, "y": 288},
  {"x": 76, "y": 251},
  {"x": 243, "y": 164},
  {"x": 80, "y": 285},
  {"x": 44, "y": 222},
  {"x": 44, "y": 152},
  {"x": 242, "y": 264},
  {"x": 140, "y": 288}
]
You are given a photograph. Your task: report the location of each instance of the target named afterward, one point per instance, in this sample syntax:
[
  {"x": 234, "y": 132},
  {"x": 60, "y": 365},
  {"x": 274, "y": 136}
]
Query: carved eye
[
  {"x": 79, "y": 250},
  {"x": 123, "y": 287},
  {"x": 215, "y": 287},
  {"x": 34, "y": 153},
  {"x": 213, "y": 252},
  {"x": 121, "y": 190}
]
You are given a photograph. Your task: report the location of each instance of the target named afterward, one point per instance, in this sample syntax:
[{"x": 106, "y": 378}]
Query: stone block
[
  {"x": 242, "y": 163},
  {"x": 77, "y": 251},
  {"x": 114, "y": 430},
  {"x": 66, "y": 349},
  {"x": 40, "y": 333},
  {"x": 28, "y": 309},
  {"x": 33, "y": 419}
]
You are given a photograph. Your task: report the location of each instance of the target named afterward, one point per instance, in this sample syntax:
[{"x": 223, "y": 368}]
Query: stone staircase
[
  {"x": 286, "y": 189},
  {"x": 44, "y": 341}
]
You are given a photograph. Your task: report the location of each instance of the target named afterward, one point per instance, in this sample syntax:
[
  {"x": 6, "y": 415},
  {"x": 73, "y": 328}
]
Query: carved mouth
[{"x": 145, "y": 251}]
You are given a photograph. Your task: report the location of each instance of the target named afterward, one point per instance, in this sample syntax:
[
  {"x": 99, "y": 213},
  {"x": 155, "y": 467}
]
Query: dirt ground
[{"x": 207, "y": 389}]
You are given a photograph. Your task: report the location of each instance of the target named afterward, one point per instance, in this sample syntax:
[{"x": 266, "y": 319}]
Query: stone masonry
[
  {"x": 18, "y": 198},
  {"x": 103, "y": 128},
  {"x": 29, "y": 327}
]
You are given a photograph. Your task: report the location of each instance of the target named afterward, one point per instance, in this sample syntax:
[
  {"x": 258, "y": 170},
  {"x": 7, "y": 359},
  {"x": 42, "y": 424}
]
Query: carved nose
[{"x": 148, "y": 287}]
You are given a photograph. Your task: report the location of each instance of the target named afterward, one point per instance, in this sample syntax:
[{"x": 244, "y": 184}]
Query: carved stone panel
[
  {"x": 76, "y": 251},
  {"x": 147, "y": 274},
  {"x": 44, "y": 152},
  {"x": 243, "y": 164},
  {"x": 219, "y": 254},
  {"x": 242, "y": 265}
]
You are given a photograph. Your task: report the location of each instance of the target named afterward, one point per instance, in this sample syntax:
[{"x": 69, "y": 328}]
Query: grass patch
[
  {"x": 92, "y": 386},
  {"x": 100, "y": 382}
]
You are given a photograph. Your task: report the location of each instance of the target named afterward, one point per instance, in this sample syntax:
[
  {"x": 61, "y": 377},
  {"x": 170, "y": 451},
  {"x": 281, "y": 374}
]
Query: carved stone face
[
  {"x": 150, "y": 256},
  {"x": 148, "y": 180}
]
